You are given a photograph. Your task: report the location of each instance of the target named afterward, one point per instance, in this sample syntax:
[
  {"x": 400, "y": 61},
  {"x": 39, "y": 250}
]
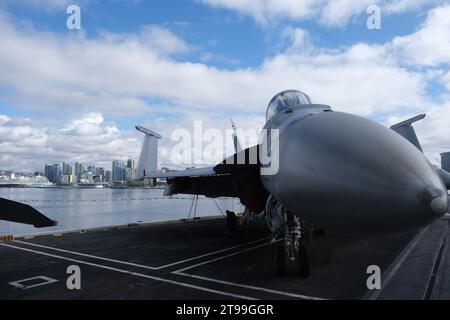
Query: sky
[{"x": 76, "y": 95}]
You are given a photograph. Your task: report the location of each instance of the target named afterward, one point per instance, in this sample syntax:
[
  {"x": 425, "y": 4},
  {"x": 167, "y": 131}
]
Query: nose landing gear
[{"x": 291, "y": 239}]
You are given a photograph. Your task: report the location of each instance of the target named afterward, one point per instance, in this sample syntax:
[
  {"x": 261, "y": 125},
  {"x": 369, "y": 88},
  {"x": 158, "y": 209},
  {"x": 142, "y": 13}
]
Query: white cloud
[
  {"x": 151, "y": 37},
  {"x": 121, "y": 75},
  {"x": 430, "y": 45},
  {"x": 446, "y": 80},
  {"x": 326, "y": 12},
  {"x": 108, "y": 74},
  {"x": 263, "y": 10},
  {"x": 432, "y": 132},
  {"x": 27, "y": 145},
  {"x": 339, "y": 12},
  {"x": 399, "y": 6},
  {"x": 44, "y": 5}
]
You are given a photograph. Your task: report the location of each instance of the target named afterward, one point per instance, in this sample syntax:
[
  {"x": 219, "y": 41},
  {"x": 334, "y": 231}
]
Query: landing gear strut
[{"x": 291, "y": 239}]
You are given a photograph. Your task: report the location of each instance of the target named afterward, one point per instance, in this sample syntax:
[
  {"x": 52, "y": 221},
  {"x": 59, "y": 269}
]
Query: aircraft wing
[
  {"x": 200, "y": 172},
  {"x": 202, "y": 181},
  {"x": 22, "y": 213},
  {"x": 229, "y": 178}
]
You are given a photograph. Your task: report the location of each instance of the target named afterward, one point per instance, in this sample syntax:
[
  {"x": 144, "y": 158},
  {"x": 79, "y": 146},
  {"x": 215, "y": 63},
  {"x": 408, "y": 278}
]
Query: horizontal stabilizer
[
  {"x": 148, "y": 132},
  {"x": 195, "y": 172},
  {"x": 22, "y": 213},
  {"x": 406, "y": 130}
]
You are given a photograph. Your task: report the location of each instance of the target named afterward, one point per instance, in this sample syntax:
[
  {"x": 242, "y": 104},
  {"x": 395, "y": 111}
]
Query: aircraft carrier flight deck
[{"x": 199, "y": 260}]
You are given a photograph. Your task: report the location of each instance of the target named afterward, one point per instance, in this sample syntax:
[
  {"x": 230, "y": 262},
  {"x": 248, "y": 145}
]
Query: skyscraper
[
  {"x": 107, "y": 176},
  {"x": 99, "y": 174},
  {"x": 47, "y": 171},
  {"x": 130, "y": 164},
  {"x": 79, "y": 170},
  {"x": 66, "y": 169},
  {"x": 57, "y": 172},
  {"x": 92, "y": 169},
  {"x": 53, "y": 172},
  {"x": 130, "y": 170},
  {"x": 118, "y": 171}
]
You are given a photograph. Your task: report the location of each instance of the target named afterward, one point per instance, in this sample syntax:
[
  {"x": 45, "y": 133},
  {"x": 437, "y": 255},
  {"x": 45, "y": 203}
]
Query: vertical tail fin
[
  {"x": 149, "y": 153},
  {"x": 406, "y": 130},
  {"x": 237, "y": 145}
]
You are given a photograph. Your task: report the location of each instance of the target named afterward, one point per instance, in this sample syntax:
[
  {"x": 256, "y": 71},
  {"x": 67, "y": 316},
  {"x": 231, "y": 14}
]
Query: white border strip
[{"x": 288, "y": 294}]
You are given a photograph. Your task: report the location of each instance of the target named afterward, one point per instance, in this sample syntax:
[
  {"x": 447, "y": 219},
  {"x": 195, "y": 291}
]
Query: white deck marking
[
  {"x": 133, "y": 273},
  {"x": 288, "y": 294},
  {"x": 293, "y": 295},
  {"x": 140, "y": 265},
  {"x": 222, "y": 257},
  {"x": 86, "y": 255},
  {"x": 211, "y": 253},
  {"x": 180, "y": 272},
  {"x": 21, "y": 283}
]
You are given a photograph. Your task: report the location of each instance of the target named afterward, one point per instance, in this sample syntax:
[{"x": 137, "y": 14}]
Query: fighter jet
[{"x": 336, "y": 171}]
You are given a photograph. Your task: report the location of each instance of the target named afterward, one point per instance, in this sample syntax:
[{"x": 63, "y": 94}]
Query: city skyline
[{"x": 65, "y": 173}]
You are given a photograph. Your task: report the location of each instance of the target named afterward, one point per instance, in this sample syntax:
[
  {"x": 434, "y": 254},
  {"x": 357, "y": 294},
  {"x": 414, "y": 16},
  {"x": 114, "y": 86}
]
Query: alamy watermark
[
  {"x": 74, "y": 280},
  {"x": 374, "y": 20},
  {"x": 202, "y": 147},
  {"x": 374, "y": 280},
  {"x": 73, "y": 21}
]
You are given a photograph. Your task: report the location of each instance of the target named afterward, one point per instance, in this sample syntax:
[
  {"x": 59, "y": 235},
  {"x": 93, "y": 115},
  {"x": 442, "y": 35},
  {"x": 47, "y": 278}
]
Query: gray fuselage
[{"x": 350, "y": 174}]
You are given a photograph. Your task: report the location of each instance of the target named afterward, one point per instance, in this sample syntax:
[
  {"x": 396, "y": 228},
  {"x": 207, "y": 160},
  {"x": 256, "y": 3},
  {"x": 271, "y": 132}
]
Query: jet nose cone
[
  {"x": 439, "y": 204},
  {"x": 348, "y": 173}
]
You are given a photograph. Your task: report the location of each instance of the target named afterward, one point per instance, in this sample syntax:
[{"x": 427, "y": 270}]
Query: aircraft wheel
[
  {"x": 303, "y": 261},
  {"x": 280, "y": 261}
]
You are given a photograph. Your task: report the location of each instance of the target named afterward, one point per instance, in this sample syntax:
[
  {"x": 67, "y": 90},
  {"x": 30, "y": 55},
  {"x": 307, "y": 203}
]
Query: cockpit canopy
[{"x": 285, "y": 100}]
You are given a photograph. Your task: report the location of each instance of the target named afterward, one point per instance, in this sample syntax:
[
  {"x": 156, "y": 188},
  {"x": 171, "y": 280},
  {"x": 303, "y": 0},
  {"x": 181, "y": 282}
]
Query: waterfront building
[
  {"x": 107, "y": 176},
  {"x": 118, "y": 171},
  {"x": 66, "y": 169},
  {"x": 79, "y": 170},
  {"x": 53, "y": 172}
]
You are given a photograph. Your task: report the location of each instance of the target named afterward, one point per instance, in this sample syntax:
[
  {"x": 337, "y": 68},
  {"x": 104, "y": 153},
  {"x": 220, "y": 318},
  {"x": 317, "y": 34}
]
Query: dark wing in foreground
[
  {"x": 22, "y": 213},
  {"x": 236, "y": 176}
]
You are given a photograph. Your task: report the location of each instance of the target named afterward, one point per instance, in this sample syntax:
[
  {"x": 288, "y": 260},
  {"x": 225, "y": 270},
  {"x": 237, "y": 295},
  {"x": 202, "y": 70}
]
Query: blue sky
[
  {"x": 237, "y": 38},
  {"x": 68, "y": 95}
]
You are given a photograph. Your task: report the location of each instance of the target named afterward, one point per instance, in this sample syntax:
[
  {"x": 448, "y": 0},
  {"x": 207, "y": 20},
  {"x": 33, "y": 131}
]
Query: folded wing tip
[{"x": 51, "y": 223}]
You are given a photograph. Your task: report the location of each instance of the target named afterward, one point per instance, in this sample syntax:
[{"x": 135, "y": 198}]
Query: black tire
[
  {"x": 280, "y": 261},
  {"x": 231, "y": 221},
  {"x": 304, "y": 266}
]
